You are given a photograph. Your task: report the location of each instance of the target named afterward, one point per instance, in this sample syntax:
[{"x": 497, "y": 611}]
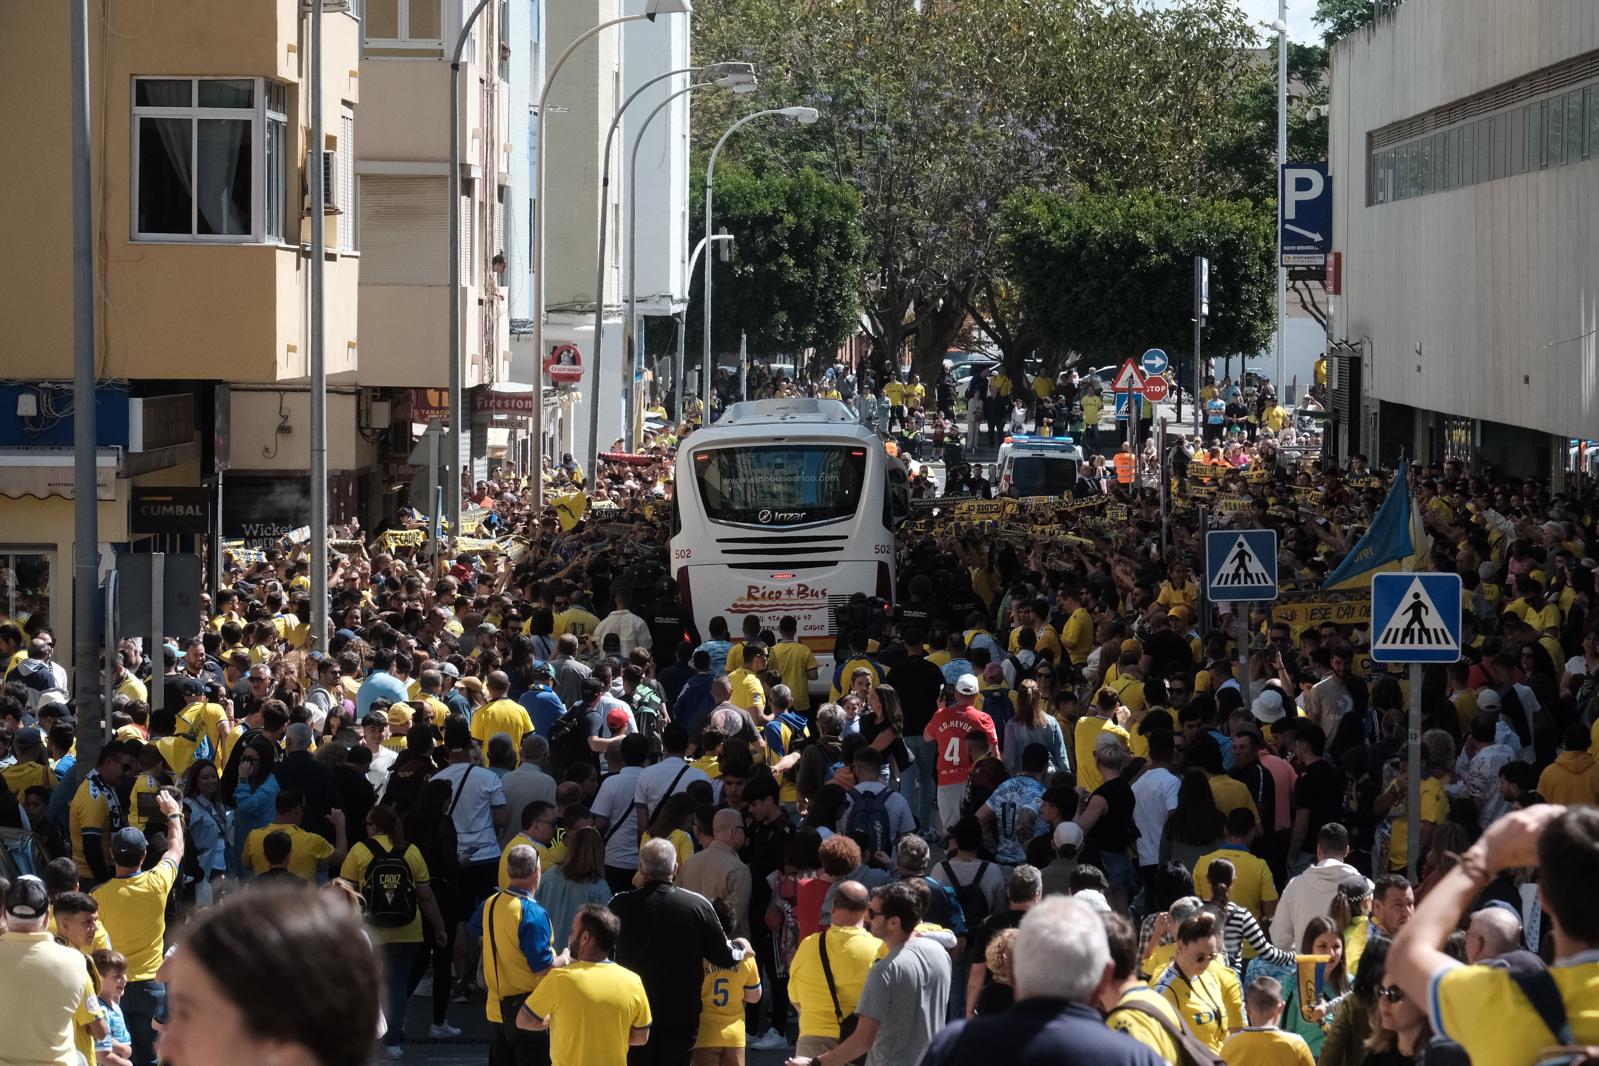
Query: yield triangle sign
[
  {"x": 1416, "y": 618},
  {"x": 1127, "y": 379}
]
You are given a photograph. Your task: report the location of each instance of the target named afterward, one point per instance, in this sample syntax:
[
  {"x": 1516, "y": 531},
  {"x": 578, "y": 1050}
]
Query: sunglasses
[
  {"x": 1204, "y": 958},
  {"x": 1392, "y": 993}
]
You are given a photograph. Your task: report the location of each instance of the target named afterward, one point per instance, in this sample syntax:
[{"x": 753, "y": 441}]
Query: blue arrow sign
[
  {"x": 1241, "y": 565},
  {"x": 1154, "y": 361},
  {"x": 1415, "y": 618}
]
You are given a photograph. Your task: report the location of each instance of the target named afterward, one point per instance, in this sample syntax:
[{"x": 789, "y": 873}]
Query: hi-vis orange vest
[{"x": 1124, "y": 468}]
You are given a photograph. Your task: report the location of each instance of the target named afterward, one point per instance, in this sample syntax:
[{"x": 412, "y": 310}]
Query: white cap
[
  {"x": 1094, "y": 899},
  {"x": 1488, "y": 700},
  {"x": 1068, "y": 833},
  {"x": 966, "y": 685},
  {"x": 1268, "y": 706}
]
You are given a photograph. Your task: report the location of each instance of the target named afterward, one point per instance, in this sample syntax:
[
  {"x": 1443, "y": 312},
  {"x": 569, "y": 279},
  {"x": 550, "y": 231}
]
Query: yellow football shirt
[
  {"x": 307, "y": 850},
  {"x": 722, "y": 1003},
  {"x": 592, "y": 1008}
]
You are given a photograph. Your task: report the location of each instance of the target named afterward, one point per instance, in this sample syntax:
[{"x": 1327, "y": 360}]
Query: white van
[{"x": 1031, "y": 465}]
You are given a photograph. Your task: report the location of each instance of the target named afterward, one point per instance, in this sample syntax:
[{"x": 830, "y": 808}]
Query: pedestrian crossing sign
[
  {"x": 1415, "y": 618},
  {"x": 1241, "y": 565}
]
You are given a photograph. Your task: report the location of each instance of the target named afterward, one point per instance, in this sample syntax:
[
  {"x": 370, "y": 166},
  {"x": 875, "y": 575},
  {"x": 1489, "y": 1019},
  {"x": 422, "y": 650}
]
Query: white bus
[{"x": 785, "y": 507}]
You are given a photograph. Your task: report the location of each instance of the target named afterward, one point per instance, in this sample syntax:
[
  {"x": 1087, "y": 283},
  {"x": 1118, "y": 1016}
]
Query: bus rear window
[
  {"x": 1040, "y": 475},
  {"x": 780, "y": 485}
]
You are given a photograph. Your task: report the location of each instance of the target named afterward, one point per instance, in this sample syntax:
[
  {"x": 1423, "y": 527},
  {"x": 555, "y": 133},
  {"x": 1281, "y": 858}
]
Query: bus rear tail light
[{"x": 885, "y": 583}]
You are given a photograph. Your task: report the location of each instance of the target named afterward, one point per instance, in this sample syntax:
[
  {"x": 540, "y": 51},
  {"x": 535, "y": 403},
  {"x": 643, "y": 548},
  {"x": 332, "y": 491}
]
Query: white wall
[
  {"x": 1497, "y": 284},
  {"x": 661, "y": 226},
  {"x": 581, "y": 104}
]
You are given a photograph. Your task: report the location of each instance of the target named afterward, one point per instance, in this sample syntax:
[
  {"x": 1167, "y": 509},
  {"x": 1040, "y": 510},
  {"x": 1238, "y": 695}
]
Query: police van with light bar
[{"x": 1032, "y": 465}]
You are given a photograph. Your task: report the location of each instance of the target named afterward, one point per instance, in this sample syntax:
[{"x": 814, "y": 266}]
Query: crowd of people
[{"x": 1034, "y": 810}]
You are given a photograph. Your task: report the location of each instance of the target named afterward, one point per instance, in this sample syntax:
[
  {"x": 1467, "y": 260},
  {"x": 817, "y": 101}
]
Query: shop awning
[{"x": 47, "y": 472}]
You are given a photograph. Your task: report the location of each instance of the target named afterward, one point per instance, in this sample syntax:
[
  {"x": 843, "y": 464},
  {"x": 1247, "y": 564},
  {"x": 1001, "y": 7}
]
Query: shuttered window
[{"x": 405, "y": 230}]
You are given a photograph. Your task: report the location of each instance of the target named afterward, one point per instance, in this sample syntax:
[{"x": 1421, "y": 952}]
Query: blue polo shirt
[{"x": 1039, "y": 1032}]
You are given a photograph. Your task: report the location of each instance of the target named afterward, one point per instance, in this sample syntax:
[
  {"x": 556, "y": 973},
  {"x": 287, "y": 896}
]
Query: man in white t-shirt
[
  {"x": 477, "y": 808},
  {"x": 1154, "y": 798},
  {"x": 615, "y": 803},
  {"x": 630, "y": 630},
  {"x": 671, "y": 775}
]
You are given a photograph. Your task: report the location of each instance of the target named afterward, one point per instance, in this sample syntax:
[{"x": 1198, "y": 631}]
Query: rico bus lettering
[{"x": 801, "y": 591}]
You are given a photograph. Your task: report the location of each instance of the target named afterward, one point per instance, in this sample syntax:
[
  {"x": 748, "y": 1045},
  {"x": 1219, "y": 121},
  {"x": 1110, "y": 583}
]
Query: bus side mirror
[{"x": 899, "y": 495}]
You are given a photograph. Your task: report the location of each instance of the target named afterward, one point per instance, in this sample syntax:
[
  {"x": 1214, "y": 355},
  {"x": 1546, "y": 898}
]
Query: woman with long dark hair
[
  {"x": 1345, "y": 1044},
  {"x": 1196, "y": 825},
  {"x": 207, "y": 822},
  {"x": 255, "y": 797},
  {"x": 884, "y": 729}
]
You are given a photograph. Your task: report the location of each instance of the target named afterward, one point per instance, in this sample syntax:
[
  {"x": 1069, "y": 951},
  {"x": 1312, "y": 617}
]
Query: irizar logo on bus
[{"x": 768, "y": 515}]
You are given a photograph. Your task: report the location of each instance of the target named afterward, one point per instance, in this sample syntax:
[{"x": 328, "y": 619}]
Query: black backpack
[
  {"x": 868, "y": 815},
  {"x": 1023, "y": 673},
  {"x": 974, "y": 903},
  {"x": 388, "y": 889},
  {"x": 569, "y": 739}
]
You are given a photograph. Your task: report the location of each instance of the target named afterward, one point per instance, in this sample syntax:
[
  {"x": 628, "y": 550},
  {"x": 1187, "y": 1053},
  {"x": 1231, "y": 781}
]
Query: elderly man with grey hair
[
  {"x": 1060, "y": 963},
  {"x": 1023, "y": 890},
  {"x": 517, "y": 951},
  {"x": 1493, "y": 938},
  {"x": 668, "y": 934}
]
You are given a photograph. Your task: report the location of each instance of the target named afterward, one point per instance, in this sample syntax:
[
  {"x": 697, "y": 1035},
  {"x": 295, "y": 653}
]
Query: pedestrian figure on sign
[{"x": 1416, "y": 631}]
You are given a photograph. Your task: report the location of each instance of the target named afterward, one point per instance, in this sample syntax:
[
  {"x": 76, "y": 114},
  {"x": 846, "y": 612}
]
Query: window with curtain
[{"x": 210, "y": 159}]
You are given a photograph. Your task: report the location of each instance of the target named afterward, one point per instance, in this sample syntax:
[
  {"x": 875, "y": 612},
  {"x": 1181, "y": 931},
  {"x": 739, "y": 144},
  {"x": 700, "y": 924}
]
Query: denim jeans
[
  {"x": 916, "y": 783},
  {"x": 397, "y": 960},
  {"x": 142, "y": 1001}
]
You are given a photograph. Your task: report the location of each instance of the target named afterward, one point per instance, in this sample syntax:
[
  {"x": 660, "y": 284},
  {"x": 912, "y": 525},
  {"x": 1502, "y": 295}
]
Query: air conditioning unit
[{"x": 330, "y": 182}]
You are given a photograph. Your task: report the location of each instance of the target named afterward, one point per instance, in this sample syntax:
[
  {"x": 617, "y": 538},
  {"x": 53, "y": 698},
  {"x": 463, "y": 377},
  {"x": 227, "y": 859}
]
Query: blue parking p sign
[
  {"x": 1241, "y": 565},
  {"x": 1304, "y": 223}
]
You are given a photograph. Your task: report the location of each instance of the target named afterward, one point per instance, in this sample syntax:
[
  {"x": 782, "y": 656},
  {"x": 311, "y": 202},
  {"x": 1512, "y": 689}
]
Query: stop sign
[{"x": 1156, "y": 388}]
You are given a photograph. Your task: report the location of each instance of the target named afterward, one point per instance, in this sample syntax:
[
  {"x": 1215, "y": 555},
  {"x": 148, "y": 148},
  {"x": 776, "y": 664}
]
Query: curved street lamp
[
  {"x": 654, "y": 8},
  {"x": 805, "y": 116},
  {"x": 740, "y": 77}
]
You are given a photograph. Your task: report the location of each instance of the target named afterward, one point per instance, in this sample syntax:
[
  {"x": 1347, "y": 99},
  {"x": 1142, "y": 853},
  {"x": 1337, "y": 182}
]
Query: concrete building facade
[{"x": 1465, "y": 161}]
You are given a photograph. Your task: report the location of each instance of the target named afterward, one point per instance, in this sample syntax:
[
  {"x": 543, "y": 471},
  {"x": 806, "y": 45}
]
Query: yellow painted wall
[{"x": 258, "y": 446}]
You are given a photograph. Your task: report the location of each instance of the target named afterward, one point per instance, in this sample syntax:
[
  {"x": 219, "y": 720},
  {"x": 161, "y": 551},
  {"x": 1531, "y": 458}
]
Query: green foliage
[
  {"x": 1340, "y": 17},
  {"x": 792, "y": 280},
  {"x": 1245, "y": 145},
  {"x": 1108, "y": 276},
  {"x": 937, "y": 111}
]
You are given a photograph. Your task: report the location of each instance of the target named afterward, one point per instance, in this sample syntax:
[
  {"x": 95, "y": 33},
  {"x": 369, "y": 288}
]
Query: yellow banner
[
  {"x": 1303, "y": 615},
  {"x": 403, "y": 538}
]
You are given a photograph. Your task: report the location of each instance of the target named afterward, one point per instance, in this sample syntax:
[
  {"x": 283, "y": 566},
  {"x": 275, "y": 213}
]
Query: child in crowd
[
  {"x": 116, "y": 1049},
  {"x": 1262, "y": 1043}
]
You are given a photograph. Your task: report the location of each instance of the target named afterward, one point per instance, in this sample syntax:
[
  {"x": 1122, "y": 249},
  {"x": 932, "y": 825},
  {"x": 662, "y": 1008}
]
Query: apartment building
[{"x": 200, "y": 144}]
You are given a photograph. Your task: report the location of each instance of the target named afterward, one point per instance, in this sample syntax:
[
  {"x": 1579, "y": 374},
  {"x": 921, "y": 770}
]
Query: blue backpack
[{"x": 868, "y": 816}]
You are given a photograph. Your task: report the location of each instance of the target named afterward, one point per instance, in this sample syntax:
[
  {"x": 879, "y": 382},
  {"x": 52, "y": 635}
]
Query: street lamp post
[
  {"x": 677, "y": 383},
  {"x": 740, "y": 82},
  {"x": 805, "y": 116},
  {"x": 736, "y": 75},
  {"x": 452, "y": 494},
  {"x": 1281, "y": 26},
  {"x": 654, "y": 8}
]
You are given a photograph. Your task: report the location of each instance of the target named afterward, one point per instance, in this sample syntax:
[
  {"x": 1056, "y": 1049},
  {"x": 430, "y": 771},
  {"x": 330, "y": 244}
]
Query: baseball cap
[
  {"x": 1488, "y": 700},
  {"x": 400, "y": 714},
  {"x": 28, "y": 899},
  {"x": 128, "y": 845},
  {"x": 1068, "y": 833},
  {"x": 488, "y": 627},
  {"x": 966, "y": 685},
  {"x": 171, "y": 650},
  {"x": 617, "y": 720},
  {"x": 449, "y": 670},
  {"x": 540, "y": 670},
  {"x": 192, "y": 686},
  {"x": 1132, "y": 645}
]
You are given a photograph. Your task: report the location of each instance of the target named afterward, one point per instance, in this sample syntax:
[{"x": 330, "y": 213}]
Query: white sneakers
[
  {"x": 443, "y": 1031},
  {"x": 771, "y": 1041}
]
